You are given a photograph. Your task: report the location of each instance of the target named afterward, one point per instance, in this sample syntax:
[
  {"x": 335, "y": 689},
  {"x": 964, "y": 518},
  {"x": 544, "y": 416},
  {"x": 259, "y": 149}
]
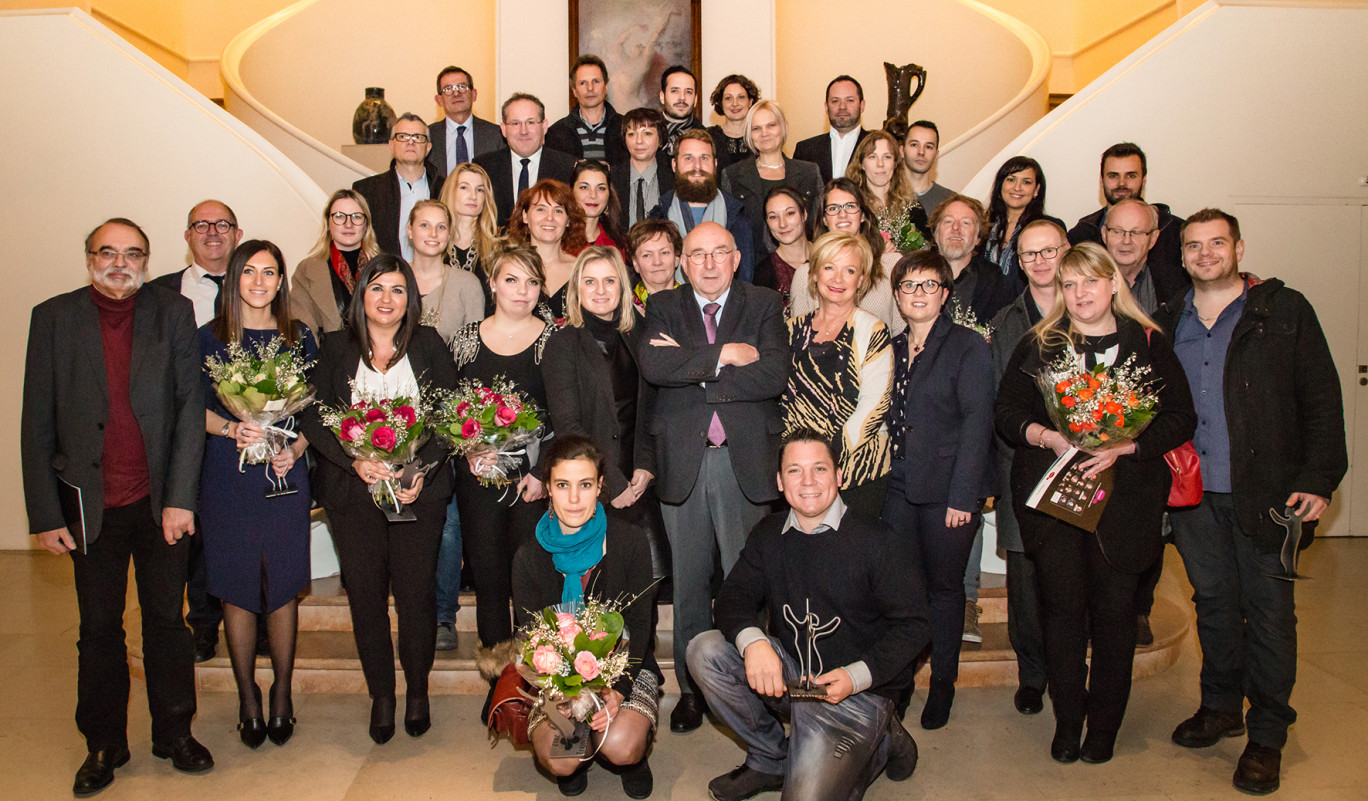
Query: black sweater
[{"x": 861, "y": 572}]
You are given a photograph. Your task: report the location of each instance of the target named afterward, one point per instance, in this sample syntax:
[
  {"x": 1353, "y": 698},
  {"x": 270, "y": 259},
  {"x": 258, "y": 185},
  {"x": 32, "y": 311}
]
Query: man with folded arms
[
  {"x": 111, "y": 440},
  {"x": 858, "y": 575}
]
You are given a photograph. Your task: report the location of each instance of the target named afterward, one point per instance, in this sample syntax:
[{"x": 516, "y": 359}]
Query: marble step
[{"x": 326, "y": 660}]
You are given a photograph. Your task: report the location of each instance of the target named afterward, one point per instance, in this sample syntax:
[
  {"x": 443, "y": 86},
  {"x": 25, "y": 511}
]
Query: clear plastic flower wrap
[
  {"x": 1101, "y": 407},
  {"x": 497, "y": 418},
  {"x": 388, "y": 430}
]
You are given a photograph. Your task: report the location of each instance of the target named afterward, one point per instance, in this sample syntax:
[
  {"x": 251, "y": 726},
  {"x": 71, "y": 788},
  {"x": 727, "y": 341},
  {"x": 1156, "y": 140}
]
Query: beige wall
[{"x": 153, "y": 148}]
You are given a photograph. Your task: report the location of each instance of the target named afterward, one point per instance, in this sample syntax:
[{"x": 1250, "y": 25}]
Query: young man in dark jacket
[
  {"x": 855, "y": 582},
  {"x": 1271, "y": 435}
]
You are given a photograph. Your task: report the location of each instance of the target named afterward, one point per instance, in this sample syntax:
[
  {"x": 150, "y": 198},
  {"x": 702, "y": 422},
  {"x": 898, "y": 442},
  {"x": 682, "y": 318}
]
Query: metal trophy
[
  {"x": 1292, "y": 543},
  {"x": 808, "y": 628}
]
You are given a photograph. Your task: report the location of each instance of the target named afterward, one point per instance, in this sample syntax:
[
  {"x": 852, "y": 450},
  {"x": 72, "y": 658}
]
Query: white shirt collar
[
  {"x": 721, "y": 301},
  {"x": 830, "y": 520}
]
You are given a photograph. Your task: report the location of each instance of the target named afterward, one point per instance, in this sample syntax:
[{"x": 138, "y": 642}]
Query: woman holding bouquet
[
  {"x": 499, "y": 512},
  {"x": 580, "y": 552},
  {"x": 547, "y": 219},
  {"x": 474, "y": 230},
  {"x": 384, "y": 352},
  {"x": 1087, "y": 581},
  {"x": 256, "y": 548},
  {"x": 877, "y": 168}
]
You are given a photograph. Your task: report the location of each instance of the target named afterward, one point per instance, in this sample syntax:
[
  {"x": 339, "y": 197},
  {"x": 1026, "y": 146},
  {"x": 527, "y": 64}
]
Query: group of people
[{"x": 796, "y": 379}]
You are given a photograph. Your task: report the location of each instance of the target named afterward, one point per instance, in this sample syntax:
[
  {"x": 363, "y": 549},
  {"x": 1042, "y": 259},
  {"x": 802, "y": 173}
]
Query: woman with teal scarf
[{"x": 580, "y": 551}]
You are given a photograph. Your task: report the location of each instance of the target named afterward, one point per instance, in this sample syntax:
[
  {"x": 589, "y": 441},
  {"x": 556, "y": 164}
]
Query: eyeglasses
[
  {"x": 341, "y": 217},
  {"x": 202, "y": 227},
  {"x": 832, "y": 209},
  {"x": 408, "y": 137},
  {"x": 110, "y": 255},
  {"x": 697, "y": 257},
  {"x": 456, "y": 88},
  {"x": 930, "y": 286},
  {"x": 1124, "y": 234},
  {"x": 1028, "y": 256}
]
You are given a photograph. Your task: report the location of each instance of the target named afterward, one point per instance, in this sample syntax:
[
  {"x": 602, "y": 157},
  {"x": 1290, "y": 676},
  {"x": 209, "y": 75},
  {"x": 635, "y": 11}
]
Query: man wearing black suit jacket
[
  {"x": 111, "y": 439},
  {"x": 392, "y": 194},
  {"x": 526, "y": 160},
  {"x": 717, "y": 350},
  {"x": 460, "y": 136},
  {"x": 831, "y": 151}
]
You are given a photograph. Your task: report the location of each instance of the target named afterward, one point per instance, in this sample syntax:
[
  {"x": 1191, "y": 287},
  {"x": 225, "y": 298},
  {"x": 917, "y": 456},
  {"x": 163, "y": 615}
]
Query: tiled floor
[{"x": 987, "y": 752}]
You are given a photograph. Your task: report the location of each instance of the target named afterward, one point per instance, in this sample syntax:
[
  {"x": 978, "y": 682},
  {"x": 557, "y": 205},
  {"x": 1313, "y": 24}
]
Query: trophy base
[
  {"x": 403, "y": 514},
  {"x": 281, "y": 490},
  {"x": 576, "y": 745},
  {"x": 801, "y": 690}
]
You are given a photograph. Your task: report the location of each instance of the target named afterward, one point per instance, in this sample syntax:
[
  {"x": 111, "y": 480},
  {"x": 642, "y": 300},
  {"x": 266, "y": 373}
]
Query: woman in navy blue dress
[{"x": 256, "y": 548}]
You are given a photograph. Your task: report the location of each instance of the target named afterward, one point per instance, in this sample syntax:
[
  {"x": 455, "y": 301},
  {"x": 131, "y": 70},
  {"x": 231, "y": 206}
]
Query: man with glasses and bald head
[{"x": 717, "y": 350}]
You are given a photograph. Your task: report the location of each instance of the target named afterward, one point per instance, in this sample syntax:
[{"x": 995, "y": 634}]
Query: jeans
[
  {"x": 1246, "y": 620},
  {"x": 449, "y": 566},
  {"x": 835, "y": 750}
]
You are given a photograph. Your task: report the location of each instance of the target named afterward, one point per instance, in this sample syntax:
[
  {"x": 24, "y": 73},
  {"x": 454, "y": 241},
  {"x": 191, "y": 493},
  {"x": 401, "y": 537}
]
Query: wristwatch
[{"x": 226, "y": 426}]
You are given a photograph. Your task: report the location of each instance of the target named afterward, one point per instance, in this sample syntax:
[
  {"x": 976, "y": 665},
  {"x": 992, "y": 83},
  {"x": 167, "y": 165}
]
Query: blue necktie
[{"x": 462, "y": 152}]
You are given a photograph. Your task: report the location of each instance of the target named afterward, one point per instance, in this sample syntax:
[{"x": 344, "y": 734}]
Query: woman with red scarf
[{"x": 325, "y": 280}]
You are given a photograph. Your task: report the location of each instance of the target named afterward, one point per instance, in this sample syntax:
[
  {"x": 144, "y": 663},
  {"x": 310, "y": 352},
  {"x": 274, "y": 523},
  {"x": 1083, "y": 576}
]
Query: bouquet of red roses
[
  {"x": 497, "y": 418},
  {"x": 1101, "y": 407},
  {"x": 388, "y": 430}
]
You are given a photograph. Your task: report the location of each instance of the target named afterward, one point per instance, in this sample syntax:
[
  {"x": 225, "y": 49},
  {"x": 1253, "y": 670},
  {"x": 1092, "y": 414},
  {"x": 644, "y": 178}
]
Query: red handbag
[
  {"x": 510, "y": 707},
  {"x": 1186, "y": 467}
]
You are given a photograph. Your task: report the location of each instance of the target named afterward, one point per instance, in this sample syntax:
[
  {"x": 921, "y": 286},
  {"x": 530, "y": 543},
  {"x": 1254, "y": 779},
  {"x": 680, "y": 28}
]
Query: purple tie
[{"x": 716, "y": 435}]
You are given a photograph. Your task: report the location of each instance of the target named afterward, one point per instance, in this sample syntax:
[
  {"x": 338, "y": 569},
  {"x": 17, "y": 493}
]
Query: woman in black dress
[
  {"x": 474, "y": 231},
  {"x": 581, "y": 551},
  {"x": 384, "y": 353},
  {"x": 495, "y": 520},
  {"x": 256, "y": 548},
  {"x": 732, "y": 99},
  {"x": 1086, "y": 581}
]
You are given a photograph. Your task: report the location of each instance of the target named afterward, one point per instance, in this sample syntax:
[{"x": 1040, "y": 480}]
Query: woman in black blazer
[
  {"x": 751, "y": 180},
  {"x": 941, "y": 428},
  {"x": 594, "y": 389},
  {"x": 1087, "y": 582},
  {"x": 384, "y": 350}
]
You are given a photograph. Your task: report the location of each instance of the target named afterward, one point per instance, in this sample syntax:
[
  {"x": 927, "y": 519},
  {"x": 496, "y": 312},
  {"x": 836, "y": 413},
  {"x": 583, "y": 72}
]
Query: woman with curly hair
[
  {"x": 732, "y": 99},
  {"x": 547, "y": 219}
]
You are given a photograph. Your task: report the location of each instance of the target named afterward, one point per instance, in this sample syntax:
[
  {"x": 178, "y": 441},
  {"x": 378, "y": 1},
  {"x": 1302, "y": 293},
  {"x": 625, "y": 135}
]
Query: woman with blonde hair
[
  {"x": 326, "y": 279},
  {"x": 548, "y": 219},
  {"x": 841, "y": 370},
  {"x": 877, "y": 168},
  {"x": 1087, "y": 581},
  {"x": 474, "y": 227},
  {"x": 451, "y": 296},
  {"x": 751, "y": 180},
  {"x": 844, "y": 209}
]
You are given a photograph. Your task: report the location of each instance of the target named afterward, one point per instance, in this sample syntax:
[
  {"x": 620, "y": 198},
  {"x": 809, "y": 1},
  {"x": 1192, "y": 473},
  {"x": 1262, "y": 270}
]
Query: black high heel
[
  {"x": 417, "y": 718},
  {"x": 382, "y": 719},
  {"x": 281, "y": 727},
  {"x": 252, "y": 731}
]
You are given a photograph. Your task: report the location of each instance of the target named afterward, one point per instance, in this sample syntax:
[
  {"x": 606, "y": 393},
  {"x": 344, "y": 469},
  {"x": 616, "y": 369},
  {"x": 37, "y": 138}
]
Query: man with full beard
[
  {"x": 697, "y": 199},
  {"x": 958, "y": 225}
]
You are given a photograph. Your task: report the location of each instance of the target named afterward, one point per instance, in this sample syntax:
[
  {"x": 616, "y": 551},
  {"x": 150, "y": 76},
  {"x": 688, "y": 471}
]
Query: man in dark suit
[
  {"x": 696, "y": 198},
  {"x": 593, "y": 128},
  {"x": 831, "y": 151},
  {"x": 460, "y": 136},
  {"x": 718, "y": 352},
  {"x": 111, "y": 440},
  {"x": 526, "y": 160},
  {"x": 392, "y": 194},
  {"x": 645, "y": 172}
]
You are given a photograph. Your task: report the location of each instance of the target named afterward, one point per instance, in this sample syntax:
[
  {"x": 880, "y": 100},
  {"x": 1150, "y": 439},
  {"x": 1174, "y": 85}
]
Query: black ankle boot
[
  {"x": 939, "y": 699},
  {"x": 382, "y": 719}
]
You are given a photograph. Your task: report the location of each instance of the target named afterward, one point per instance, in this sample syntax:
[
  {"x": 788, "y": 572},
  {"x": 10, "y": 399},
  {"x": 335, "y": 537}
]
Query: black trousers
[
  {"x": 492, "y": 530},
  {"x": 102, "y": 682},
  {"x": 1023, "y": 621},
  {"x": 1083, "y": 597},
  {"x": 379, "y": 558}
]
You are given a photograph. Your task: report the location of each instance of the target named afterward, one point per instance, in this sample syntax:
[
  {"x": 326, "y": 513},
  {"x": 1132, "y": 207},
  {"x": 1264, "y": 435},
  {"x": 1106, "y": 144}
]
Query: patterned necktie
[
  {"x": 462, "y": 152},
  {"x": 716, "y": 435},
  {"x": 522, "y": 179}
]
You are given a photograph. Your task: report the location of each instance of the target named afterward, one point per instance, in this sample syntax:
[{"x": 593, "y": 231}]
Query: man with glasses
[
  {"x": 111, "y": 439},
  {"x": 1130, "y": 233},
  {"x": 593, "y": 128},
  {"x": 392, "y": 194},
  {"x": 460, "y": 136},
  {"x": 526, "y": 160},
  {"x": 1124, "y": 172},
  {"x": 1040, "y": 246},
  {"x": 717, "y": 350},
  {"x": 696, "y": 197},
  {"x": 212, "y": 232},
  {"x": 958, "y": 226}
]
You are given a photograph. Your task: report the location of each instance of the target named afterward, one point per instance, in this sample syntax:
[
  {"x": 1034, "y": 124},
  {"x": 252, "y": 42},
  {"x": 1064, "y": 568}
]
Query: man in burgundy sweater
[{"x": 112, "y": 436}]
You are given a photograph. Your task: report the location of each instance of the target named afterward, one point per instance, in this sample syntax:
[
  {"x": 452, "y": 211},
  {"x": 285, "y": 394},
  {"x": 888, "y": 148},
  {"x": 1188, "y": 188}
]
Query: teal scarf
[{"x": 573, "y": 554}]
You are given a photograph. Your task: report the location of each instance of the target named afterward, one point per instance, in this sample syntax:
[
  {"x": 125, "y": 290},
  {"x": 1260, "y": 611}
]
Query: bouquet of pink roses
[
  {"x": 572, "y": 652},
  {"x": 388, "y": 430},
  {"x": 497, "y": 418}
]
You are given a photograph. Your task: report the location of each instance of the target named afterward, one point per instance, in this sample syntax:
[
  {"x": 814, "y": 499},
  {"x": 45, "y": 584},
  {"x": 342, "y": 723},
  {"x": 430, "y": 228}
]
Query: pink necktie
[{"x": 716, "y": 435}]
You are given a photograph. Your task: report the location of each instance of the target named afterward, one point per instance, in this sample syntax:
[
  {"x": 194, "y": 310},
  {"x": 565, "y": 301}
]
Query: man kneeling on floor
[{"x": 857, "y": 586}]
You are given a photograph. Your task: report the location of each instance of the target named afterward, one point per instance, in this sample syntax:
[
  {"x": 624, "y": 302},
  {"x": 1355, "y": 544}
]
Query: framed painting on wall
[{"x": 637, "y": 40}]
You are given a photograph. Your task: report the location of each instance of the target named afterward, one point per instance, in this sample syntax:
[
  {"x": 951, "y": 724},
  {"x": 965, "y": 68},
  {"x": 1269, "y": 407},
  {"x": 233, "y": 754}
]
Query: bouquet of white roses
[{"x": 263, "y": 385}]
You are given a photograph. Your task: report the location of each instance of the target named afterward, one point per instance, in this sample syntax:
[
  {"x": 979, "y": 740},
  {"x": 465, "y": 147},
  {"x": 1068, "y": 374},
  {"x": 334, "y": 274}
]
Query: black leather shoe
[
  {"x": 1064, "y": 747},
  {"x": 1258, "y": 769},
  {"x": 1029, "y": 700},
  {"x": 186, "y": 754},
  {"x": 97, "y": 772},
  {"x": 743, "y": 783},
  {"x": 575, "y": 783},
  {"x": 280, "y": 729},
  {"x": 637, "y": 781},
  {"x": 1097, "y": 746},
  {"x": 382, "y": 720},
  {"x": 206, "y": 643},
  {"x": 252, "y": 732},
  {"x": 902, "y": 752},
  {"x": 1207, "y": 727},
  {"x": 941, "y": 697},
  {"x": 417, "y": 718},
  {"x": 687, "y": 714}
]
